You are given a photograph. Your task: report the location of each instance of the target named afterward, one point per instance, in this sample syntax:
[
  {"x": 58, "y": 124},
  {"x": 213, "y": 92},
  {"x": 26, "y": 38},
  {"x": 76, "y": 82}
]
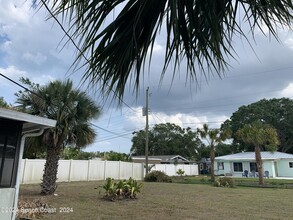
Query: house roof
[
  {"x": 30, "y": 122},
  {"x": 265, "y": 155},
  {"x": 162, "y": 158}
]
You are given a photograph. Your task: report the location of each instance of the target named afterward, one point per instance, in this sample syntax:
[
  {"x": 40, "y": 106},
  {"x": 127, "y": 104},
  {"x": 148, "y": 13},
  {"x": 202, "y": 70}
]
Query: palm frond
[{"x": 197, "y": 31}]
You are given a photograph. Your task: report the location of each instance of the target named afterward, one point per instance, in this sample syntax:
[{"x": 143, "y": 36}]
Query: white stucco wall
[
  {"x": 269, "y": 166},
  {"x": 228, "y": 168},
  {"x": 276, "y": 163},
  {"x": 283, "y": 168}
]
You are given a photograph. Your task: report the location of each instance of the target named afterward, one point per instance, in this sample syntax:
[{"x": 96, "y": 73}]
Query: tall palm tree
[
  {"x": 72, "y": 109},
  {"x": 199, "y": 32},
  {"x": 213, "y": 137},
  {"x": 259, "y": 135}
]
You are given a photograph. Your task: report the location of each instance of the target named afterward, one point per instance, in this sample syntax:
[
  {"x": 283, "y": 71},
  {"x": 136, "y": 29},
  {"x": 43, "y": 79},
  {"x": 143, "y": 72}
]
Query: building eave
[{"x": 30, "y": 122}]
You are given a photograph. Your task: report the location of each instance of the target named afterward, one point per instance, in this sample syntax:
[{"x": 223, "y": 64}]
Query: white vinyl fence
[
  {"x": 88, "y": 170},
  {"x": 171, "y": 169}
]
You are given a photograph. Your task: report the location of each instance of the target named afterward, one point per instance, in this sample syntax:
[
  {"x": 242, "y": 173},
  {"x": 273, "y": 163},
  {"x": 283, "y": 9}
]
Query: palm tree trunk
[
  {"x": 212, "y": 157},
  {"x": 258, "y": 161},
  {"x": 48, "y": 185}
]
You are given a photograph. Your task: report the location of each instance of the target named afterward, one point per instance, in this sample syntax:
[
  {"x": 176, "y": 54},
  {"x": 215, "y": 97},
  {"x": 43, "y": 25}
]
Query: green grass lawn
[{"x": 168, "y": 201}]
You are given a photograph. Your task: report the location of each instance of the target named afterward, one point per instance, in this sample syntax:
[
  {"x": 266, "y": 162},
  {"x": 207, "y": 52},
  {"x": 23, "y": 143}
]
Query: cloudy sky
[{"x": 31, "y": 46}]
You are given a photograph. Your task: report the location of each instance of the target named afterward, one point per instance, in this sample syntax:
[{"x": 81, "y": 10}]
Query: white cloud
[
  {"x": 289, "y": 42},
  {"x": 183, "y": 120},
  {"x": 7, "y": 88},
  {"x": 13, "y": 73},
  {"x": 37, "y": 58},
  {"x": 15, "y": 11},
  {"x": 288, "y": 91},
  {"x": 43, "y": 79},
  {"x": 158, "y": 49},
  {"x": 6, "y": 46},
  {"x": 136, "y": 121}
]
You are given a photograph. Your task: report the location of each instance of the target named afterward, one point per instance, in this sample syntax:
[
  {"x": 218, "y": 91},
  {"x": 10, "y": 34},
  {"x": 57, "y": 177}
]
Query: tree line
[{"x": 169, "y": 139}]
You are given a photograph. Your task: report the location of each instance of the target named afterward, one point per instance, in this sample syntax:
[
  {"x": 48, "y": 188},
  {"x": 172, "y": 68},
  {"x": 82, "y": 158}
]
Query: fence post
[
  {"x": 142, "y": 171},
  {"x": 175, "y": 169},
  {"x": 132, "y": 173},
  {"x": 69, "y": 174},
  {"x": 119, "y": 171},
  {"x": 88, "y": 170},
  {"x": 23, "y": 170},
  {"x": 105, "y": 164},
  {"x": 190, "y": 171}
]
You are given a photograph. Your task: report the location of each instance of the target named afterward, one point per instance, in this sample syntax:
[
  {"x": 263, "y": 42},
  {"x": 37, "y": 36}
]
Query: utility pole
[{"x": 147, "y": 132}]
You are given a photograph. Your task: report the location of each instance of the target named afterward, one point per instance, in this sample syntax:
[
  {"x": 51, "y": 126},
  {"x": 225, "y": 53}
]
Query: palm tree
[
  {"x": 72, "y": 109},
  {"x": 199, "y": 33},
  {"x": 259, "y": 135},
  {"x": 3, "y": 103},
  {"x": 213, "y": 137}
]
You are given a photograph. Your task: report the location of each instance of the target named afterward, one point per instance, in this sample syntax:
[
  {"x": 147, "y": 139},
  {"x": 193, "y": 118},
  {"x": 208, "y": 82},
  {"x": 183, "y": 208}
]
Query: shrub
[
  {"x": 123, "y": 189},
  {"x": 157, "y": 176},
  {"x": 224, "y": 182},
  {"x": 180, "y": 172},
  {"x": 110, "y": 189}
]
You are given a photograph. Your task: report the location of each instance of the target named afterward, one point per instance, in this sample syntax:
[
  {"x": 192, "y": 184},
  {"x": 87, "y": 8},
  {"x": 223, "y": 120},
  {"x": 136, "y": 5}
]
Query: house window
[
  {"x": 253, "y": 167},
  {"x": 220, "y": 165},
  {"x": 291, "y": 164},
  {"x": 9, "y": 137},
  {"x": 237, "y": 167}
]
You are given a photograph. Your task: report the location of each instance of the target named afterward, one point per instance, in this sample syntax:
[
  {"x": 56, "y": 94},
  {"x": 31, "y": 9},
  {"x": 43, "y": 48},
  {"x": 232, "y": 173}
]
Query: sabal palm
[
  {"x": 213, "y": 137},
  {"x": 3, "y": 103},
  {"x": 199, "y": 32},
  {"x": 259, "y": 135},
  {"x": 73, "y": 111}
]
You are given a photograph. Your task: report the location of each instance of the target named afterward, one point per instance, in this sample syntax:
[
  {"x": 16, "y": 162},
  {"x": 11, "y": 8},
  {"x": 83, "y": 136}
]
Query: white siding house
[{"x": 277, "y": 164}]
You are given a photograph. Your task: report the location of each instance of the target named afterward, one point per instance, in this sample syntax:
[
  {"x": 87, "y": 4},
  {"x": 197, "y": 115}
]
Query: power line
[
  {"x": 111, "y": 132},
  {"x": 153, "y": 118},
  {"x": 110, "y": 138},
  {"x": 26, "y": 89},
  {"x": 11, "y": 80},
  {"x": 195, "y": 123},
  {"x": 153, "y": 114},
  {"x": 206, "y": 122}
]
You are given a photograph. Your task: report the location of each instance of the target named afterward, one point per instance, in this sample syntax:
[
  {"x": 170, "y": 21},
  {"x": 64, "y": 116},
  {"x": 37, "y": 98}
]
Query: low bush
[
  {"x": 224, "y": 182},
  {"x": 157, "y": 176},
  {"x": 123, "y": 189},
  {"x": 180, "y": 172}
]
